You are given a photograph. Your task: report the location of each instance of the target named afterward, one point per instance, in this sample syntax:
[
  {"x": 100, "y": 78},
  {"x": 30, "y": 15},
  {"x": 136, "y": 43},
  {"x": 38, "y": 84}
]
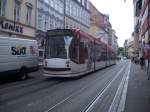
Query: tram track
[
  {"x": 7, "y": 97},
  {"x": 47, "y": 88},
  {"x": 100, "y": 94},
  {"x": 67, "y": 99},
  {"x": 23, "y": 84},
  {"x": 4, "y": 99}
]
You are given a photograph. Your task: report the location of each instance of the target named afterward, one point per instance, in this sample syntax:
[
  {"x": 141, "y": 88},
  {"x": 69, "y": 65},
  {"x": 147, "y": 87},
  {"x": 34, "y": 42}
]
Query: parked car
[{"x": 18, "y": 56}]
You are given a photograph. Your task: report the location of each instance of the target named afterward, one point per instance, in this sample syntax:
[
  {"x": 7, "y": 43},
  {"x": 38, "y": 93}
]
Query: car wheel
[{"x": 24, "y": 74}]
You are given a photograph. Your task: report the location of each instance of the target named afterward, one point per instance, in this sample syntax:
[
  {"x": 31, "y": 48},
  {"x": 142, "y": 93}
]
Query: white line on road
[
  {"x": 51, "y": 108},
  {"x": 103, "y": 91},
  {"x": 121, "y": 106},
  {"x": 116, "y": 100}
]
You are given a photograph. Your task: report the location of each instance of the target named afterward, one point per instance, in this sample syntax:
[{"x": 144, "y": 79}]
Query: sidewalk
[{"x": 138, "y": 94}]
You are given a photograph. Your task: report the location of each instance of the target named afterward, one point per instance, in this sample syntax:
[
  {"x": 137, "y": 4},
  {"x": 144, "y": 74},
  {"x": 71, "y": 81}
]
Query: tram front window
[{"x": 57, "y": 47}]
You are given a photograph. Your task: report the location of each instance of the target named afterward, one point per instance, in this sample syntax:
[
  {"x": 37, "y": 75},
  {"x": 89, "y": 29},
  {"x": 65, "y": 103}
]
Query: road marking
[
  {"x": 79, "y": 92},
  {"x": 116, "y": 100},
  {"x": 103, "y": 91},
  {"x": 121, "y": 106}
]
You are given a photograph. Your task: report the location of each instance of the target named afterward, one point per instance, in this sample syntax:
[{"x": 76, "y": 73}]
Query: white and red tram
[{"x": 71, "y": 53}]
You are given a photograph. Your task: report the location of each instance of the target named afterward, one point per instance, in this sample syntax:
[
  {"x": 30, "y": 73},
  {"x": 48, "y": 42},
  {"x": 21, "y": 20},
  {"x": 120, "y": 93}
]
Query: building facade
[
  {"x": 130, "y": 47},
  {"x": 17, "y": 18},
  {"x": 98, "y": 24},
  {"x": 101, "y": 28},
  {"x": 114, "y": 38},
  {"x": 49, "y": 15},
  {"x": 126, "y": 48},
  {"x": 77, "y": 14},
  {"x": 142, "y": 26}
]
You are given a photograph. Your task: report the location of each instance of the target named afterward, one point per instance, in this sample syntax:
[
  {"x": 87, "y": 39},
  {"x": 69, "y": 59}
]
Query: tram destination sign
[{"x": 59, "y": 32}]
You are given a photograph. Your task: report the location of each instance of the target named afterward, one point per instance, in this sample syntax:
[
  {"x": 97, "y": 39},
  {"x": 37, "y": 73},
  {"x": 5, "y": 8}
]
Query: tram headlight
[{"x": 67, "y": 63}]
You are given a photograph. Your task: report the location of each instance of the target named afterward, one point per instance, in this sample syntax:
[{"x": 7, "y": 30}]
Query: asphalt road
[{"x": 96, "y": 92}]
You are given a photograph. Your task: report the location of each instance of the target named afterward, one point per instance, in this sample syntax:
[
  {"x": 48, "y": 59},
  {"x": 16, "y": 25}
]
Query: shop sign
[
  {"x": 18, "y": 50},
  {"x": 11, "y": 26}
]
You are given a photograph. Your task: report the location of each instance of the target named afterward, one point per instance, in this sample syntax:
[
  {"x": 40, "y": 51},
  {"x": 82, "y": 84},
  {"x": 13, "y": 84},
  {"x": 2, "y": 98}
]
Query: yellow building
[
  {"x": 94, "y": 31},
  {"x": 130, "y": 47},
  {"x": 17, "y": 18}
]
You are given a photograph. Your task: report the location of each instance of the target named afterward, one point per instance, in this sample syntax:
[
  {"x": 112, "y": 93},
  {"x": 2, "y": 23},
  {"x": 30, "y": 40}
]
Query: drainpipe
[
  {"x": 148, "y": 38},
  {"x": 64, "y": 12},
  {"x": 148, "y": 22}
]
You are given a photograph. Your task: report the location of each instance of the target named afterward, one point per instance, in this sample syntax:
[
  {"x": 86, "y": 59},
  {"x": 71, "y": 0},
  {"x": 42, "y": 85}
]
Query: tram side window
[
  {"x": 73, "y": 50},
  {"x": 98, "y": 53},
  {"x": 108, "y": 55},
  {"x": 103, "y": 55},
  {"x": 78, "y": 52},
  {"x": 82, "y": 53}
]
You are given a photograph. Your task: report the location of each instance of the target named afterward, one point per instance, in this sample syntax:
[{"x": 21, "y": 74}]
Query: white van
[{"x": 19, "y": 56}]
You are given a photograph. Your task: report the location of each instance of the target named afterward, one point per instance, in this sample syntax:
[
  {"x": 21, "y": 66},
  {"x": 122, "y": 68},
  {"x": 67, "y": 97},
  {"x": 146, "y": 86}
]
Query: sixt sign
[{"x": 18, "y": 50}]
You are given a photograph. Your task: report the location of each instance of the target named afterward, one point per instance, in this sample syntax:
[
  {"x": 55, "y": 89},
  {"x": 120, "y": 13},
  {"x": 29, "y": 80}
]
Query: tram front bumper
[{"x": 57, "y": 72}]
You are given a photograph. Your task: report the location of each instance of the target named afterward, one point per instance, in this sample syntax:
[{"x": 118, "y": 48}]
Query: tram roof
[
  {"x": 93, "y": 39},
  {"x": 79, "y": 32}
]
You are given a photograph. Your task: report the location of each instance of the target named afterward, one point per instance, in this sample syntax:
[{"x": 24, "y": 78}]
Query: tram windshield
[{"x": 58, "y": 47}]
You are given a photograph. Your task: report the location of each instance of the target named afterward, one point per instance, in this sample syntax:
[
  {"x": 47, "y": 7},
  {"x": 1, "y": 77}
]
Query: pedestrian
[
  {"x": 148, "y": 68},
  {"x": 142, "y": 62}
]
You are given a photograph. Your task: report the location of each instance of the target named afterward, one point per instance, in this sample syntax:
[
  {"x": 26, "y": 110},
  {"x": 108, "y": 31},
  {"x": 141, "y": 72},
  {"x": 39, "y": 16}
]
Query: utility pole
[
  {"x": 148, "y": 22},
  {"x": 64, "y": 12}
]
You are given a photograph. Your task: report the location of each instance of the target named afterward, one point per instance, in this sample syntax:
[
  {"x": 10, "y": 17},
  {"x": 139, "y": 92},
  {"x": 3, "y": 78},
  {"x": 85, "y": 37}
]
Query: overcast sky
[{"x": 121, "y": 16}]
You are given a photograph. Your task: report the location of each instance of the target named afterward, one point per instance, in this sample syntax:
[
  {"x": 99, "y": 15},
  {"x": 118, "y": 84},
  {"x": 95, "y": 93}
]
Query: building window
[
  {"x": 83, "y": 2},
  {"x": 3, "y": 7},
  {"x": 47, "y": 1},
  {"x": 46, "y": 23},
  {"x": 79, "y": 0},
  {"x": 138, "y": 8},
  {"x": 87, "y": 4},
  {"x": 40, "y": 21},
  {"x": 29, "y": 14},
  {"x": 51, "y": 23},
  {"x": 52, "y": 3},
  {"x": 17, "y": 10},
  {"x": 70, "y": 9}
]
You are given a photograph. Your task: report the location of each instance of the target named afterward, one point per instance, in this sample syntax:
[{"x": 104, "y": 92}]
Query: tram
[{"x": 72, "y": 53}]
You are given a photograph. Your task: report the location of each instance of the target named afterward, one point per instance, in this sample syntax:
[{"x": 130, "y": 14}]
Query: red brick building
[
  {"x": 101, "y": 28},
  {"x": 142, "y": 25},
  {"x": 102, "y": 20}
]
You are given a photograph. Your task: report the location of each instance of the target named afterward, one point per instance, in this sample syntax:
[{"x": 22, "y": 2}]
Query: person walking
[
  {"x": 142, "y": 62},
  {"x": 148, "y": 68}
]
